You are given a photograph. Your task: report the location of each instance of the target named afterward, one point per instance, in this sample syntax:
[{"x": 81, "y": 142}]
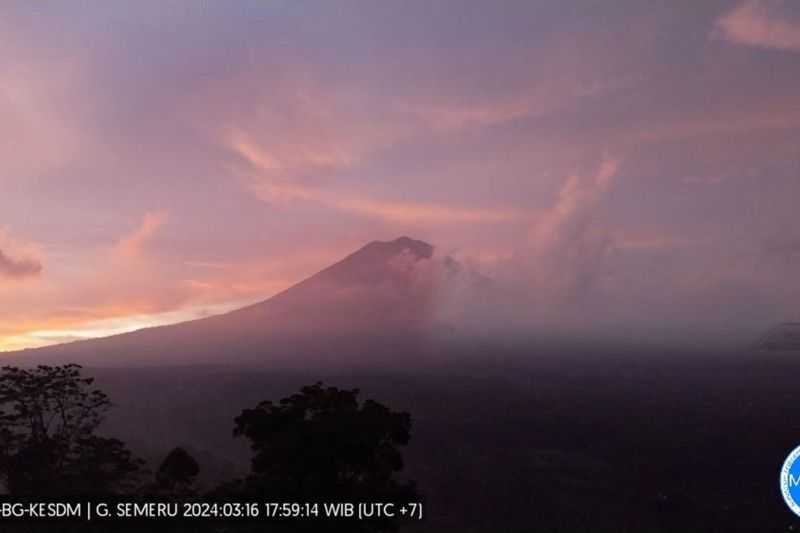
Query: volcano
[{"x": 376, "y": 303}]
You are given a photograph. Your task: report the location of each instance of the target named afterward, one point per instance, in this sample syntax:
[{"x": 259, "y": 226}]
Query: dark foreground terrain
[{"x": 528, "y": 439}]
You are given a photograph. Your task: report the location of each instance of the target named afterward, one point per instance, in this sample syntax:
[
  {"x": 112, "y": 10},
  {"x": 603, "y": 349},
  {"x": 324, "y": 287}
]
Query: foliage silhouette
[
  {"x": 48, "y": 445},
  {"x": 321, "y": 444},
  {"x": 177, "y": 472}
]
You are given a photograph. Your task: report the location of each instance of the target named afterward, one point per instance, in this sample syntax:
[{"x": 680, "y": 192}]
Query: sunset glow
[{"x": 163, "y": 162}]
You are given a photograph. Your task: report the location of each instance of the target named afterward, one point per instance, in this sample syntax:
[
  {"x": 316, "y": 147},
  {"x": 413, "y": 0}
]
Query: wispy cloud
[
  {"x": 37, "y": 103},
  {"x": 18, "y": 260},
  {"x": 760, "y": 23},
  {"x": 273, "y": 180},
  {"x": 463, "y": 139},
  {"x": 133, "y": 244},
  {"x": 18, "y": 268}
]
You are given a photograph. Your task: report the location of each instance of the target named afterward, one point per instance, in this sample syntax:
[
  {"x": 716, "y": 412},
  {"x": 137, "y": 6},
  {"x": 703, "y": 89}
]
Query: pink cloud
[
  {"x": 273, "y": 180},
  {"x": 759, "y": 23},
  {"x": 18, "y": 260},
  {"x": 18, "y": 268},
  {"x": 133, "y": 244}
]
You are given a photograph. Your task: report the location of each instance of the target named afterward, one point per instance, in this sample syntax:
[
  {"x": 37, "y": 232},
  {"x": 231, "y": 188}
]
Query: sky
[{"x": 163, "y": 161}]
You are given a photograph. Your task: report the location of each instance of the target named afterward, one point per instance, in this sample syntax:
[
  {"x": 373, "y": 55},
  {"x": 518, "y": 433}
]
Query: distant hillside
[{"x": 784, "y": 337}]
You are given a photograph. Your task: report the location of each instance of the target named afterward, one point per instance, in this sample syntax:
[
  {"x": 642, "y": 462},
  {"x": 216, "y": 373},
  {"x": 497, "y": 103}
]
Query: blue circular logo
[{"x": 790, "y": 481}]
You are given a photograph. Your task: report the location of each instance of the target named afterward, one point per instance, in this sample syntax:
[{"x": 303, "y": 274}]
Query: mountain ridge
[{"x": 369, "y": 298}]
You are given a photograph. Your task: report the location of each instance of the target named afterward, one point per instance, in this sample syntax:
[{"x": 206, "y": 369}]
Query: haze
[{"x": 633, "y": 166}]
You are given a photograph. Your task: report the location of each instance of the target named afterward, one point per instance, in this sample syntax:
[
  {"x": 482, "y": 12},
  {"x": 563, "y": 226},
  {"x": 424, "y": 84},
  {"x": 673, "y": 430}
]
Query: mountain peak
[
  {"x": 420, "y": 249},
  {"x": 372, "y": 262}
]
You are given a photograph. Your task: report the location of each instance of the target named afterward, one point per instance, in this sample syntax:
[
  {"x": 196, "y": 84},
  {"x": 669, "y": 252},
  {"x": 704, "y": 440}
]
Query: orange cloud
[
  {"x": 91, "y": 301},
  {"x": 422, "y": 212},
  {"x": 271, "y": 180},
  {"x": 133, "y": 244}
]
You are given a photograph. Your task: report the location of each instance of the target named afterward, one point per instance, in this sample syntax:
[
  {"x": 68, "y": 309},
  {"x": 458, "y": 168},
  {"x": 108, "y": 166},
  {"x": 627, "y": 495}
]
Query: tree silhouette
[
  {"x": 48, "y": 446},
  {"x": 323, "y": 445},
  {"x": 177, "y": 472}
]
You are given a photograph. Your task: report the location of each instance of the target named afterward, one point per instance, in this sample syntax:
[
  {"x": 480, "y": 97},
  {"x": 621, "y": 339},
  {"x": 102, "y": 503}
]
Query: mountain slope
[{"x": 375, "y": 303}]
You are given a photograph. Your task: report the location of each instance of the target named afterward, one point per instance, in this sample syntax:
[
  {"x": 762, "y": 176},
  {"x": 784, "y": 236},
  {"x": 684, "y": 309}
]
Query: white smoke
[{"x": 568, "y": 246}]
